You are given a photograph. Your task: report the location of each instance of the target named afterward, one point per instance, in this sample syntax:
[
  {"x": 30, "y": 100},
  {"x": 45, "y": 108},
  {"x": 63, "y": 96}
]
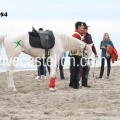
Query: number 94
[{"x": 3, "y": 14}]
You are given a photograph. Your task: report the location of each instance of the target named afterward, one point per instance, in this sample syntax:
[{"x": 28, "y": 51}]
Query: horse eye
[{"x": 90, "y": 59}]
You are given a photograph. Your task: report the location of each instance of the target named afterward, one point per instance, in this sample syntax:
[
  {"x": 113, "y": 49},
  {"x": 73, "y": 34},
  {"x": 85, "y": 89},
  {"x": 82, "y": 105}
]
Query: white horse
[{"x": 63, "y": 43}]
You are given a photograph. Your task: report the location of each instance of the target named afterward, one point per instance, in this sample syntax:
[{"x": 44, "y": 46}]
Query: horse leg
[
  {"x": 10, "y": 75},
  {"x": 53, "y": 69},
  {"x": 52, "y": 86}
]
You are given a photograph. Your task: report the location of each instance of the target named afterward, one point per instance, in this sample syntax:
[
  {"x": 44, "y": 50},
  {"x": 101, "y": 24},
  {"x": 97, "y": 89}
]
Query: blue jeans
[{"x": 41, "y": 69}]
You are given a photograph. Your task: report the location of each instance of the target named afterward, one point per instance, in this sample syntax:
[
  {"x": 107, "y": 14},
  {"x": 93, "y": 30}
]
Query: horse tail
[{"x": 1, "y": 40}]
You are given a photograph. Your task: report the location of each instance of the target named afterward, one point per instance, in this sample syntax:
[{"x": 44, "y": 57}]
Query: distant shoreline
[{"x": 35, "y": 69}]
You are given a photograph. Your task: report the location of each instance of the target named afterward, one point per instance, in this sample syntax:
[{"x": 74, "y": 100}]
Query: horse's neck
[{"x": 72, "y": 43}]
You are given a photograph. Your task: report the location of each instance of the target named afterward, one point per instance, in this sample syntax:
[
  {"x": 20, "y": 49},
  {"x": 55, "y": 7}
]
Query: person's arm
[
  {"x": 94, "y": 50},
  {"x": 93, "y": 47},
  {"x": 101, "y": 46}
]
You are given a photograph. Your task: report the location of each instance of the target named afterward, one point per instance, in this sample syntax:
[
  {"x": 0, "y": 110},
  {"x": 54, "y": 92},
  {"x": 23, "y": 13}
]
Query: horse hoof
[
  {"x": 52, "y": 89},
  {"x": 14, "y": 90},
  {"x": 40, "y": 80}
]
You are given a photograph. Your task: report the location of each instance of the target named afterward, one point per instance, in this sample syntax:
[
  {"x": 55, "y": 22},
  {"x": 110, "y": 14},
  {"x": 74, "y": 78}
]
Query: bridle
[
  {"x": 84, "y": 48},
  {"x": 85, "y": 53}
]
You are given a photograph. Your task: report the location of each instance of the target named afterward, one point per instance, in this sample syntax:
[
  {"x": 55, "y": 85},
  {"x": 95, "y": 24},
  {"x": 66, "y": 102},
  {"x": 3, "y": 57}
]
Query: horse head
[{"x": 87, "y": 53}]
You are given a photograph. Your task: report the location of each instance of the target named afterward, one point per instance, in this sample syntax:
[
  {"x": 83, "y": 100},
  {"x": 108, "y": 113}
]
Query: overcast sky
[{"x": 60, "y": 16}]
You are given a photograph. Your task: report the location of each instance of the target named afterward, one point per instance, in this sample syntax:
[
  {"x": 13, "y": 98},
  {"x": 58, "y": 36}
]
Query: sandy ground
[{"x": 33, "y": 100}]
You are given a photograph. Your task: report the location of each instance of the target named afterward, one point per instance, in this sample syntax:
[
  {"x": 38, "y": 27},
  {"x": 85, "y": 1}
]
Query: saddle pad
[{"x": 34, "y": 40}]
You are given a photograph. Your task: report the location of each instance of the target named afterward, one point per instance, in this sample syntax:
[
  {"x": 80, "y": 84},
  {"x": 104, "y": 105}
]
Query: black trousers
[
  {"x": 85, "y": 72},
  {"x": 85, "y": 75},
  {"x": 48, "y": 67},
  {"x": 61, "y": 63},
  {"x": 75, "y": 72},
  {"x": 108, "y": 66}
]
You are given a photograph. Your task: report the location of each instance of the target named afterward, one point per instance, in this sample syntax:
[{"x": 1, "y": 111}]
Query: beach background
[
  {"x": 62, "y": 16},
  {"x": 33, "y": 100}
]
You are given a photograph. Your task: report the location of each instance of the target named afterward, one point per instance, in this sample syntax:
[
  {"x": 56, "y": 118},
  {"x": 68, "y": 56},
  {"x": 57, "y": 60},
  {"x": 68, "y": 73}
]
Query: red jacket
[
  {"x": 85, "y": 39},
  {"x": 113, "y": 52},
  {"x": 75, "y": 35}
]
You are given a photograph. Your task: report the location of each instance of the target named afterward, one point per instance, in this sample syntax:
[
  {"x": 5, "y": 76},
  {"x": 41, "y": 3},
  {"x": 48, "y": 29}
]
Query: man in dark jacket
[{"x": 85, "y": 70}]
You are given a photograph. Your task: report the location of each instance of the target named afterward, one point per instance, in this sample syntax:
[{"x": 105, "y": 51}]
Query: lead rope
[
  {"x": 94, "y": 68},
  {"x": 49, "y": 47}
]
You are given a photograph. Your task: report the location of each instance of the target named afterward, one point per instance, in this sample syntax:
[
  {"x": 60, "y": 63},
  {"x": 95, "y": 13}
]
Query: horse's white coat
[{"x": 63, "y": 43}]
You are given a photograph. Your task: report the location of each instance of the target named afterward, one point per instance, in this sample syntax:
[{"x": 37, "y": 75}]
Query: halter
[
  {"x": 84, "y": 48},
  {"x": 85, "y": 53}
]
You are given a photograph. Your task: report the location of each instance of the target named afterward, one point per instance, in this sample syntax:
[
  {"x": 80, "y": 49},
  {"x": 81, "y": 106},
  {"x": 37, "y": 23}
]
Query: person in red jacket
[{"x": 75, "y": 69}]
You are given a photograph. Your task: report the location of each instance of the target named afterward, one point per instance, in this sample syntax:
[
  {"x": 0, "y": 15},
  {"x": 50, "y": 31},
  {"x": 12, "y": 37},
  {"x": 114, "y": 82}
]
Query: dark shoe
[
  {"x": 70, "y": 85},
  {"x": 107, "y": 77},
  {"x": 88, "y": 86},
  {"x": 63, "y": 78},
  {"x": 76, "y": 87}
]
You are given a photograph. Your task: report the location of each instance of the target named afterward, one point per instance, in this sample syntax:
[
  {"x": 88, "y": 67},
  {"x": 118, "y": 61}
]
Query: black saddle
[{"x": 43, "y": 39}]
